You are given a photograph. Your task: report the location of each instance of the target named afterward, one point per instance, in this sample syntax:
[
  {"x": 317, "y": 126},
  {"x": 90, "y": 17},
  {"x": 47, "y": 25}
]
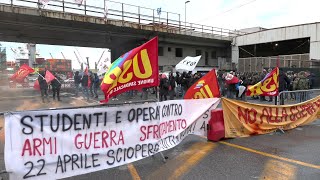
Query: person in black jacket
[
  {"x": 56, "y": 86},
  {"x": 77, "y": 81},
  {"x": 85, "y": 85},
  {"x": 91, "y": 76},
  {"x": 184, "y": 80},
  {"x": 164, "y": 87},
  {"x": 284, "y": 83},
  {"x": 96, "y": 84},
  {"x": 43, "y": 86},
  {"x": 172, "y": 86}
]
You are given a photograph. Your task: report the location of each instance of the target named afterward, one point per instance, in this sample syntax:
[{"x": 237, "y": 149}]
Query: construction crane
[
  {"x": 63, "y": 56},
  {"x": 96, "y": 63},
  {"x": 79, "y": 55},
  {"x": 81, "y": 63}
]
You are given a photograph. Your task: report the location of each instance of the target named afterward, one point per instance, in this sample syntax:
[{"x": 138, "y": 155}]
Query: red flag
[
  {"x": 231, "y": 79},
  {"x": 134, "y": 70},
  {"x": 86, "y": 72},
  {"x": 22, "y": 73},
  {"x": 205, "y": 87},
  {"x": 268, "y": 86},
  {"x": 36, "y": 85},
  {"x": 49, "y": 76}
]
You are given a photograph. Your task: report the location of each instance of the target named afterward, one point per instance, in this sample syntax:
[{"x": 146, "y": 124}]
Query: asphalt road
[{"x": 293, "y": 155}]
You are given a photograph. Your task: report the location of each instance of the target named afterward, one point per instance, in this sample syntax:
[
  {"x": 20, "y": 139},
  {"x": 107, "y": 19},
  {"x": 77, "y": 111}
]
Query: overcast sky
[{"x": 229, "y": 14}]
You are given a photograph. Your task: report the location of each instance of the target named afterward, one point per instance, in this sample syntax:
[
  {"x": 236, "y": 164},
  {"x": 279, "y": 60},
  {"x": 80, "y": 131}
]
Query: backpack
[{"x": 300, "y": 84}]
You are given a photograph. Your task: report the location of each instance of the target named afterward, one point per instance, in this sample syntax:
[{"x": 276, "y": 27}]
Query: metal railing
[
  {"x": 297, "y": 96},
  {"x": 140, "y": 16},
  {"x": 255, "y": 64}
]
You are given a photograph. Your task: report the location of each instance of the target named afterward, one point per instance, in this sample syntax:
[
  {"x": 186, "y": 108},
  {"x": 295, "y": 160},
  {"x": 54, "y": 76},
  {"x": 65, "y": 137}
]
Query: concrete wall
[{"x": 169, "y": 58}]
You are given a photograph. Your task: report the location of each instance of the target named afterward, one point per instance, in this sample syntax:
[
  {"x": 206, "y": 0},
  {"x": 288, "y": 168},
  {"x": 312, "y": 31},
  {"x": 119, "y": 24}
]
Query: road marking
[
  {"x": 275, "y": 169},
  {"x": 133, "y": 172},
  {"x": 200, "y": 153},
  {"x": 272, "y": 156},
  {"x": 164, "y": 170}
]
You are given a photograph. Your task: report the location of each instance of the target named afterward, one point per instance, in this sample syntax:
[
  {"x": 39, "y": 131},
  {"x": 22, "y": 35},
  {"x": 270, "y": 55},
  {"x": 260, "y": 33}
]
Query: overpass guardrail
[{"x": 142, "y": 16}]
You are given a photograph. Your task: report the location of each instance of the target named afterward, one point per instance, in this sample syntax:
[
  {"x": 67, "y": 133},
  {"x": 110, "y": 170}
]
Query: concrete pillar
[
  {"x": 235, "y": 55},
  {"x": 115, "y": 54},
  {"x": 32, "y": 53}
]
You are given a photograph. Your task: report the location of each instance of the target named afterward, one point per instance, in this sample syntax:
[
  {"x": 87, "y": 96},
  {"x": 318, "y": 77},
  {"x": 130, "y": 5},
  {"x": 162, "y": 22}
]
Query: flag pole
[
  {"x": 278, "y": 61},
  {"x": 157, "y": 93},
  {"x": 40, "y": 75},
  {"x": 278, "y": 97},
  {"x": 57, "y": 80}
]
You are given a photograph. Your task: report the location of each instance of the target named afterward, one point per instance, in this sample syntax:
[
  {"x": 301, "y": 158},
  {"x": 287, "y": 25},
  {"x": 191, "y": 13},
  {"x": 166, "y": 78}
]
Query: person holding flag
[
  {"x": 232, "y": 83},
  {"x": 56, "y": 86},
  {"x": 43, "y": 86}
]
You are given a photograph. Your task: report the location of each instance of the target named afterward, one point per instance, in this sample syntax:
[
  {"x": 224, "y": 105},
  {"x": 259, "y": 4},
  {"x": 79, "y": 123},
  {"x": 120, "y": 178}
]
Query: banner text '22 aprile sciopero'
[{"x": 62, "y": 143}]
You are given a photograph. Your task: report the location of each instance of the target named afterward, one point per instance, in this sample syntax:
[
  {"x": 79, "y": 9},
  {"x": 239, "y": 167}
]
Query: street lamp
[{"x": 185, "y": 14}]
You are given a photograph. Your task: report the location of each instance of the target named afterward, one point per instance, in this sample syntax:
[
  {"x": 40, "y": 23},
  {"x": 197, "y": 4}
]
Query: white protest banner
[
  {"x": 188, "y": 63},
  {"x": 56, "y": 144}
]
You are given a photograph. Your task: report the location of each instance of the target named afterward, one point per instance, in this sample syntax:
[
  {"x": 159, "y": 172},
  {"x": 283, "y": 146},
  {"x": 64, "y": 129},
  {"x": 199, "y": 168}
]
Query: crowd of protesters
[
  {"x": 288, "y": 81},
  {"x": 174, "y": 85},
  {"x": 90, "y": 83},
  {"x": 55, "y": 85},
  {"x": 87, "y": 83}
]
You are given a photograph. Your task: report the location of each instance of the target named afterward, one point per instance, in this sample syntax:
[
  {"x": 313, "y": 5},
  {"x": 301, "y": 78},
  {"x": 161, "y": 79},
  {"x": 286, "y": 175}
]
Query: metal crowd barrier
[{"x": 297, "y": 96}]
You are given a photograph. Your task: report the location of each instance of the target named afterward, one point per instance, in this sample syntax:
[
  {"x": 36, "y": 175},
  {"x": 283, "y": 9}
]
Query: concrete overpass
[
  {"x": 30, "y": 23},
  {"x": 296, "y": 46}
]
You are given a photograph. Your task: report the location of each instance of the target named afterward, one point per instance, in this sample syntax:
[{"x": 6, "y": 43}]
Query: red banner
[
  {"x": 205, "y": 87},
  {"x": 22, "y": 73},
  {"x": 134, "y": 70},
  {"x": 269, "y": 86}
]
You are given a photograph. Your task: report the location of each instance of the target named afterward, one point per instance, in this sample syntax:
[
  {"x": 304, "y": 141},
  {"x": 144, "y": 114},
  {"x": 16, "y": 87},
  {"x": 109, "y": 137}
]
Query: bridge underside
[{"x": 29, "y": 25}]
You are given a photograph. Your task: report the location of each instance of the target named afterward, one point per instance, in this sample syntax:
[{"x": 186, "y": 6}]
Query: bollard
[{"x": 215, "y": 128}]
